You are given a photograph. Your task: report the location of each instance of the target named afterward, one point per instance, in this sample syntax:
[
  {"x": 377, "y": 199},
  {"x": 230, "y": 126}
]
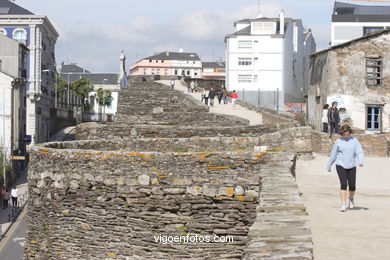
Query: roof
[
  {"x": 174, "y": 56},
  {"x": 342, "y": 45},
  {"x": 95, "y": 78},
  {"x": 344, "y": 12},
  {"x": 72, "y": 68},
  {"x": 10, "y": 8},
  {"x": 213, "y": 64}
]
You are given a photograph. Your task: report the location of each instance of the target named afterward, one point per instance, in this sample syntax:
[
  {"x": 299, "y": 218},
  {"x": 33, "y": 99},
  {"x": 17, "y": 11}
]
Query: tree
[
  {"x": 61, "y": 85},
  {"x": 103, "y": 98},
  {"x": 7, "y": 167},
  {"x": 82, "y": 87}
]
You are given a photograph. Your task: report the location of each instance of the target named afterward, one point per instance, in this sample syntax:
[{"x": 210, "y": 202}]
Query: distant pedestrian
[
  {"x": 192, "y": 86},
  {"x": 206, "y": 96},
  {"x": 6, "y": 198},
  {"x": 234, "y": 97},
  {"x": 173, "y": 83},
  {"x": 325, "y": 118},
  {"x": 346, "y": 152},
  {"x": 333, "y": 119},
  {"x": 212, "y": 97},
  {"x": 225, "y": 95},
  {"x": 219, "y": 96},
  {"x": 14, "y": 196},
  {"x": 188, "y": 84}
]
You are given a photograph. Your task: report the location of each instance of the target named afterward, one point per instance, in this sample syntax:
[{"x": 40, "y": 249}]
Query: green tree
[
  {"x": 7, "y": 167},
  {"x": 103, "y": 98},
  {"x": 82, "y": 87},
  {"x": 61, "y": 85}
]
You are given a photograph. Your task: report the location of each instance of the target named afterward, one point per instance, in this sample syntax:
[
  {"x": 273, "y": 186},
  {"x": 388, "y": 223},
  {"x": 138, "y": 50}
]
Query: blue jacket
[{"x": 346, "y": 153}]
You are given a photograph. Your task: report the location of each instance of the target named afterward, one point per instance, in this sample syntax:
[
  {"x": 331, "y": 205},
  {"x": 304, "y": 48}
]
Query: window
[
  {"x": 175, "y": 72},
  {"x": 3, "y": 32},
  {"x": 188, "y": 73},
  {"x": 158, "y": 72},
  {"x": 166, "y": 72},
  {"x": 20, "y": 35},
  {"x": 374, "y": 68},
  {"x": 162, "y": 61},
  {"x": 244, "y": 78},
  {"x": 153, "y": 71},
  {"x": 244, "y": 61},
  {"x": 245, "y": 44},
  {"x": 145, "y": 71},
  {"x": 367, "y": 30},
  {"x": 374, "y": 118},
  {"x": 255, "y": 78},
  {"x": 150, "y": 61}
]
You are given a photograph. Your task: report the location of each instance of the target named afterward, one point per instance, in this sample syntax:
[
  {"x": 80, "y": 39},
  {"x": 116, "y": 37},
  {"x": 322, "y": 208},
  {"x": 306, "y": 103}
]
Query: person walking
[
  {"x": 5, "y": 199},
  {"x": 347, "y": 153},
  {"x": 333, "y": 119},
  {"x": 14, "y": 196},
  {"x": 212, "y": 97},
  {"x": 224, "y": 95},
  {"x": 192, "y": 86},
  {"x": 206, "y": 96},
  {"x": 219, "y": 96},
  {"x": 234, "y": 97},
  {"x": 173, "y": 83},
  {"x": 325, "y": 118}
]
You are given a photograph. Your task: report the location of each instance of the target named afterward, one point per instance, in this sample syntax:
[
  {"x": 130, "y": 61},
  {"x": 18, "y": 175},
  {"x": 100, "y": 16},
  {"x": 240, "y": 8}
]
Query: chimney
[{"x": 281, "y": 21}]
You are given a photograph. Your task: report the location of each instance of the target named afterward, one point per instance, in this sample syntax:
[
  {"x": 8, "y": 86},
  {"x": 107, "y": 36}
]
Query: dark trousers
[
  {"x": 334, "y": 128},
  {"x": 325, "y": 127},
  {"x": 14, "y": 201},
  {"x": 206, "y": 100},
  {"x": 5, "y": 204},
  {"x": 347, "y": 177}
]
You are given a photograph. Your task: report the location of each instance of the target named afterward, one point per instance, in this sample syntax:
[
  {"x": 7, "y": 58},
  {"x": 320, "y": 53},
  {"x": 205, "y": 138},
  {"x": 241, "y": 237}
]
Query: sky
[{"x": 93, "y": 32}]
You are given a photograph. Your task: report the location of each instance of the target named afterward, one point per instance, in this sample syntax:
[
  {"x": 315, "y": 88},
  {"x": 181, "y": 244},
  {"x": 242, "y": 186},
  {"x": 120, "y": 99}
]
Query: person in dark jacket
[
  {"x": 212, "y": 96},
  {"x": 219, "y": 95},
  {"x": 333, "y": 118}
]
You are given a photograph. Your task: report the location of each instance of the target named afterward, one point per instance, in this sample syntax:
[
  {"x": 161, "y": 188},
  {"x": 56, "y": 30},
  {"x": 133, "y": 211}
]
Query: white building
[
  {"x": 39, "y": 35},
  {"x": 351, "y": 21},
  {"x": 266, "y": 60},
  {"x": 12, "y": 95},
  {"x": 169, "y": 64}
]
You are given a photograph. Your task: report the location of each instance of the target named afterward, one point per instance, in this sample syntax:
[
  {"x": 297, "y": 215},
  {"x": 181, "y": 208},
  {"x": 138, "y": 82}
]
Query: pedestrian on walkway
[
  {"x": 192, "y": 86},
  {"x": 219, "y": 96},
  {"x": 234, "y": 97},
  {"x": 224, "y": 95},
  {"x": 333, "y": 119},
  {"x": 325, "y": 118},
  {"x": 173, "y": 83},
  {"x": 212, "y": 96},
  {"x": 14, "y": 196},
  {"x": 188, "y": 83},
  {"x": 346, "y": 152},
  {"x": 5, "y": 199},
  {"x": 206, "y": 96}
]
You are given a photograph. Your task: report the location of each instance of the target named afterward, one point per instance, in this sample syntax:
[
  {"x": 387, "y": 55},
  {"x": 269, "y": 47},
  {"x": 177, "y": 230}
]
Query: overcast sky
[{"x": 93, "y": 32}]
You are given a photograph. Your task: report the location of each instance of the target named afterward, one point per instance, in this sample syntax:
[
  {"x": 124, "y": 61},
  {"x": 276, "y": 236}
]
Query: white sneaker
[
  {"x": 351, "y": 203},
  {"x": 343, "y": 207}
]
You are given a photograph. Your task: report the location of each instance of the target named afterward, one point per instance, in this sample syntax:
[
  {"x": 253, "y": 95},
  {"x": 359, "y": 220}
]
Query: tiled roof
[
  {"x": 174, "y": 56},
  {"x": 10, "y": 8},
  {"x": 72, "y": 68},
  {"x": 95, "y": 78},
  {"x": 213, "y": 64}
]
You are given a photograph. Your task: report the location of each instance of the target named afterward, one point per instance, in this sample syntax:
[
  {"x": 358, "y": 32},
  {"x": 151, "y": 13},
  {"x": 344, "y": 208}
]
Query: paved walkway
[
  {"x": 362, "y": 233},
  {"x": 8, "y": 215},
  {"x": 228, "y": 109}
]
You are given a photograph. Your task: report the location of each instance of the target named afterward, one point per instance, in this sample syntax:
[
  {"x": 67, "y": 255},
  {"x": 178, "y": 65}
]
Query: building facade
[
  {"x": 214, "y": 70},
  {"x": 354, "y": 74},
  {"x": 40, "y": 36},
  {"x": 266, "y": 60},
  {"x": 351, "y": 21},
  {"x": 169, "y": 64},
  {"x": 13, "y": 56}
]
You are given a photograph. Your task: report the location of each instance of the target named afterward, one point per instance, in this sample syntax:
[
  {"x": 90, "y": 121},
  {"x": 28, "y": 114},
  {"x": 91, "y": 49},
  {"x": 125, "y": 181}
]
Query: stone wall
[
  {"x": 95, "y": 131},
  {"x": 95, "y": 204},
  {"x": 373, "y": 144}
]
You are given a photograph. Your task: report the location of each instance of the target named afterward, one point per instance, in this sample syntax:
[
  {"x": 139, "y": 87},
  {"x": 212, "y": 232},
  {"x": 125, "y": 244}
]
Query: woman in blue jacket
[{"x": 347, "y": 153}]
